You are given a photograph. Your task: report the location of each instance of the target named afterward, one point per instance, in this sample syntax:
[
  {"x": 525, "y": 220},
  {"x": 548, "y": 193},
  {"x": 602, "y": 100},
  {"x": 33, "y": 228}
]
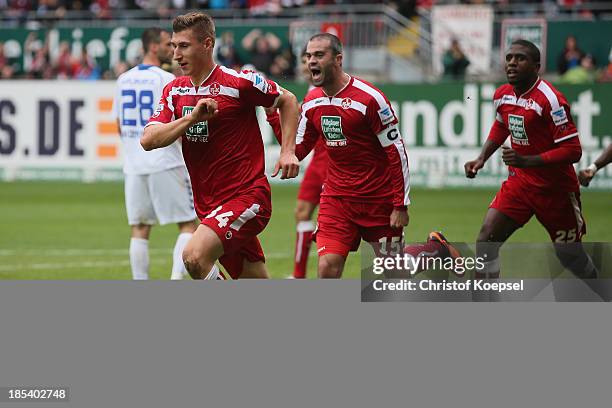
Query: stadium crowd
[{"x": 24, "y": 10}]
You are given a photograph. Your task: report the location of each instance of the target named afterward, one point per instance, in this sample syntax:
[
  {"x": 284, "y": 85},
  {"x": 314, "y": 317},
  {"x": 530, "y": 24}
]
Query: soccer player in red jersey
[
  {"x": 542, "y": 180},
  {"x": 309, "y": 194},
  {"x": 366, "y": 191},
  {"x": 212, "y": 109}
]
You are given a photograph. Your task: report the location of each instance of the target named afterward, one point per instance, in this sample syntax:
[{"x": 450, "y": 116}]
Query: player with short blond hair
[{"x": 212, "y": 109}]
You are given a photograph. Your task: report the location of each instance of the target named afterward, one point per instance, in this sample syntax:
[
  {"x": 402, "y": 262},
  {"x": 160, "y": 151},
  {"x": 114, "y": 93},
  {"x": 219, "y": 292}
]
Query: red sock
[{"x": 302, "y": 248}]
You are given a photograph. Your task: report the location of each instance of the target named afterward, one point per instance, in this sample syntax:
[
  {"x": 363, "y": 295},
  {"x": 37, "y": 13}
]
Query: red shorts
[
  {"x": 312, "y": 183},
  {"x": 559, "y": 212},
  {"x": 342, "y": 224},
  {"x": 237, "y": 223}
]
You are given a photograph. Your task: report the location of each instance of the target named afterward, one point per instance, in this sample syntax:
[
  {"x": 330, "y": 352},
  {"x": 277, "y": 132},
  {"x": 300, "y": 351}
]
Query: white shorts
[{"x": 164, "y": 197}]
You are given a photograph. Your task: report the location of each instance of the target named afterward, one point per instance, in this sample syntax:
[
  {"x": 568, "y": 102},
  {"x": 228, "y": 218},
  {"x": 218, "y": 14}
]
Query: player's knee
[
  {"x": 329, "y": 269},
  {"x": 192, "y": 259}
]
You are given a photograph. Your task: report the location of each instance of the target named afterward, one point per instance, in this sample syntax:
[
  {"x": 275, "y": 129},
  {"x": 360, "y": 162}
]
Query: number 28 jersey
[{"x": 136, "y": 96}]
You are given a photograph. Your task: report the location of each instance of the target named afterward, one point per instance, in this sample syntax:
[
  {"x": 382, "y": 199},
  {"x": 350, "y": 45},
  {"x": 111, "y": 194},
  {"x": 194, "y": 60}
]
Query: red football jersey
[
  {"x": 536, "y": 121},
  {"x": 367, "y": 158},
  {"x": 224, "y": 156}
]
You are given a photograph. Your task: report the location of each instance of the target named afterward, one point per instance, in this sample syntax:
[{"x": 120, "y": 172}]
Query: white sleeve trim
[
  {"x": 392, "y": 136},
  {"x": 389, "y": 136},
  {"x": 153, "y": 123},
  {"x": 280, "y": 93},
  {"x": 566, "y": 137}
]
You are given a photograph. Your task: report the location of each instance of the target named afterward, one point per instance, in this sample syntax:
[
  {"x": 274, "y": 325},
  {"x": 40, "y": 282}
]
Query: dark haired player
[{"x": 541, "y": 180}]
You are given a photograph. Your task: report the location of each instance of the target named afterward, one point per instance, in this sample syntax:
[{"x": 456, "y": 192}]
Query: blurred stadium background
[{"x": 61, "y": 194}]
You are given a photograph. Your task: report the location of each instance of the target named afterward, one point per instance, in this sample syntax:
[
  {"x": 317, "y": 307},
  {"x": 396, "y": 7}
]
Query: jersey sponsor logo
[
  {"x": 346, "y": 103},
  {"x": 516, "y": 126},
  {"x": 386, "y": 115},
  {"x": 197, "y": 132},
  {"x": 559, "y": 116},
  {"x": 214, "y": 89},
  {"x": 259, "y": 82},
  {"x": 331, "y": 126}
]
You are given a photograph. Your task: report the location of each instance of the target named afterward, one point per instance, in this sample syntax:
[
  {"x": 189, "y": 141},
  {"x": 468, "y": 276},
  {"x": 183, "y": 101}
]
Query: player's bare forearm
[
  {"x": 586, "y": 175},
  {"x": 605, "y": 158},
  {"x": 488, "y": 149},
  {"x": 164, "y": 134},
  {"x": 289, "y": 110},
  {"x": 472, "y": 167},
  {"x": 160, "y": 135},
  {"x": 288, "y": 163}
]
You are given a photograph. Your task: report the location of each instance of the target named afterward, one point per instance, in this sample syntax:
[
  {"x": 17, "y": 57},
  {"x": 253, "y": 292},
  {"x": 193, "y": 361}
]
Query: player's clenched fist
[
  {"x": 585, "y": 176},
  {"x": 289, "y": 165},
  {"x": 471, "y": 168},
  {"x": 205, "y": 109},
  {"x": 512, "y": 158},
  {"x": 399, "y": 218}
]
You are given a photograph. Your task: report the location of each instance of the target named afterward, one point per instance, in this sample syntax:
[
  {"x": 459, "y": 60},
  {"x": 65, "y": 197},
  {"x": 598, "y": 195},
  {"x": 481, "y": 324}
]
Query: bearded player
[
  {"x": 366, "y": 192},
  {"x": 309, "y": 194}
]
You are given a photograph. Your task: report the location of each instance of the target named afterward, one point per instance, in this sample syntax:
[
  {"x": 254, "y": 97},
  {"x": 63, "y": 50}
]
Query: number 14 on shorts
[{"x": 223, "y": 217}]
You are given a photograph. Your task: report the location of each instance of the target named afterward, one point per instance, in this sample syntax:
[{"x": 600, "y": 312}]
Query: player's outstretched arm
[
  {"x": 288, "y": 164},
  {"x": 586, "y": 175},
  {"x": 471, "y": 168},
  {"x": 158, "y": 135}
]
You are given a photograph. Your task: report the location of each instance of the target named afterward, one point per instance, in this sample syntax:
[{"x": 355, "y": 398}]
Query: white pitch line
[
  {"x": 102, "y": 252},
  {"x": 99, "y": 264},
  {"x": 75, "y": 252},
  {"x": 69, "y": 265}
]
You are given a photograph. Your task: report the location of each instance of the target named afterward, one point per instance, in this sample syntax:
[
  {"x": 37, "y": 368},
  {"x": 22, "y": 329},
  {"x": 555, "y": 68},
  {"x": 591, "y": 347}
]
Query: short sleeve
[
  {"x": 257, "y": 90},
  {"x": 164, "y": 112},
  {"x": 560, "y": 121}
]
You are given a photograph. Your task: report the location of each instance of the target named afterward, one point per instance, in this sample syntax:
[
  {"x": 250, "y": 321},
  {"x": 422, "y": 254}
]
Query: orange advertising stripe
[
  {"x": 107, "y": 151},
  {"x": 105, "y": 104},
  {"x": 108, "y": 128}
]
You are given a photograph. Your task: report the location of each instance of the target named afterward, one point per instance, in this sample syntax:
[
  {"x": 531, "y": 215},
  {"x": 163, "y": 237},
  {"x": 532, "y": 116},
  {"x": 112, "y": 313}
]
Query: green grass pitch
[{"x": 63, "y": 230}]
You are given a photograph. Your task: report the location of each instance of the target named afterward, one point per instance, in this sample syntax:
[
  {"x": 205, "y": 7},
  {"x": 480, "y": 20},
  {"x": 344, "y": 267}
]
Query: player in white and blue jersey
[{"x": 157, "y": 185}]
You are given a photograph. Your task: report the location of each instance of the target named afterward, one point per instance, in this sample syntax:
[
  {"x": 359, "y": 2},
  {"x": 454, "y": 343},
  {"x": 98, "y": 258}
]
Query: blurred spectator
[
  {"x": 7, "y": 72},
  {"x": 455, "y": 62},
  {"x": 101, "y": 8},
  {"x": 50, "y": 9},
  {"x": 585, "y": 73},
  {"x": 283, "y": 66},
  {"x": 63, "y": 62},
  {"x": 160, "y": 7},
  {"x": 3, "y": 59},
  {"x": 606, "y": 73},
  {"x": 570, "y": 57},
  {"x": 227, "y": 55},
  {"x": 263, "y": 48},
  {"x": 85, "y": 67}
]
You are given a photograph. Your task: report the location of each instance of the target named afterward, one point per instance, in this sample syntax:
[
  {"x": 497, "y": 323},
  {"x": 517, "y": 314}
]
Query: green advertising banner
[
  {"x": 106, "y": 45},
  {"x": 66, "y": 129}
]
